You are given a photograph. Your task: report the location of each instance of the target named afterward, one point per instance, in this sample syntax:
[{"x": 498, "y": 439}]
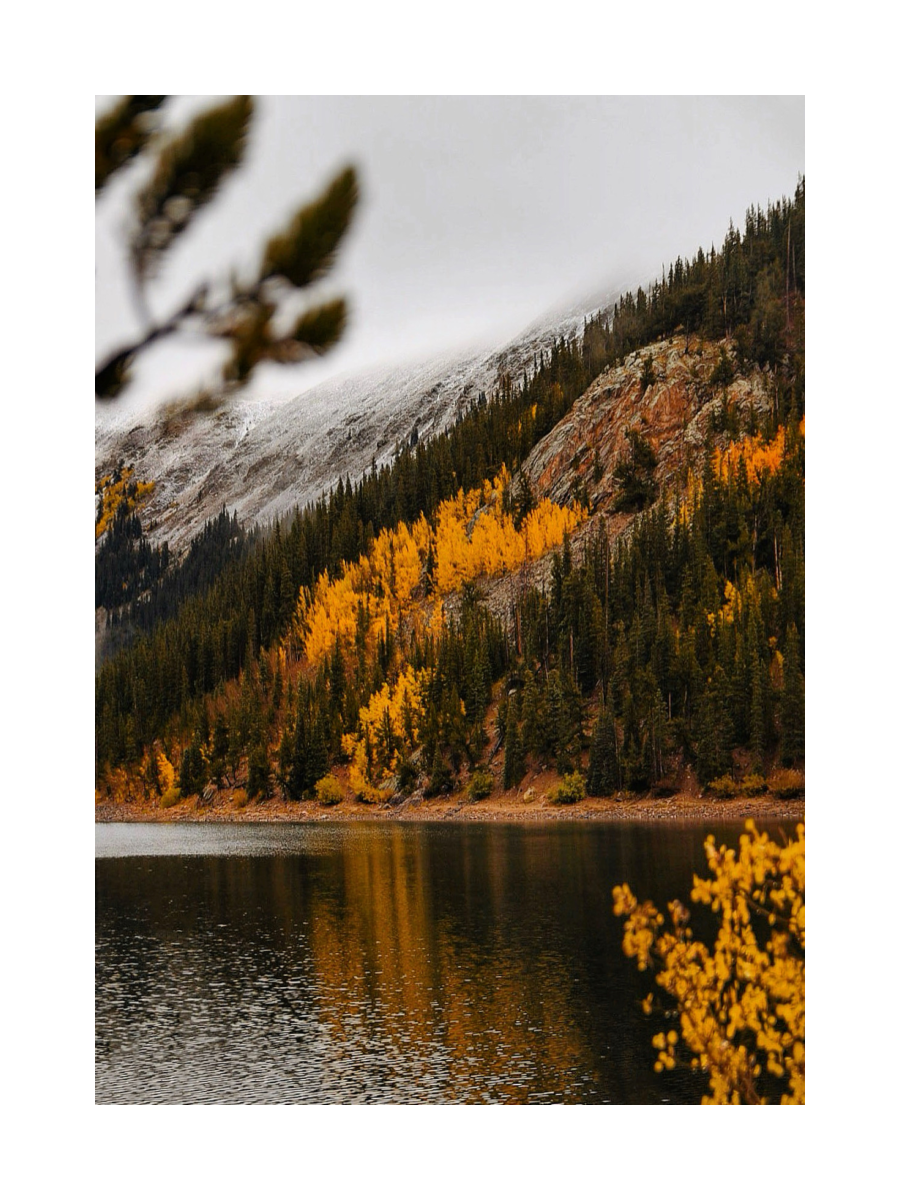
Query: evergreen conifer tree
[
  {"x": 603, "y": 763},
  {"x": 792, "y": 702},
  {"x": 259, "y": 772},
  {"x": 758, "y": 727},
  {"x": 534, "y": 729},
  {"x": 715, "y": 733},
  {"x": 513, "y": 758},
  {"x": 192, "y": 776}
]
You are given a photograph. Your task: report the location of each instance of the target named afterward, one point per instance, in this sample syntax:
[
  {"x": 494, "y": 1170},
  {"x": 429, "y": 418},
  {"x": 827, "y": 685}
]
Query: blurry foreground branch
[
  {"x": 189, "y": 167},
  {"x": 740, "y": 1006}
]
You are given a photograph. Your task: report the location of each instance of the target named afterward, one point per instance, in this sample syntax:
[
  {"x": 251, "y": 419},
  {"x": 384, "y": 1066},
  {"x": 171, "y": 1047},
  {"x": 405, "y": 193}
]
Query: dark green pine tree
[
  {"x": 219, "y": 757},
  {"x": 453, "y": 727},
  {"x": 317, "y": 755},
  {"x": 634, "y": 759},
  {"x": 476, "y": 677},
  {"x": 564, "y": 713},
  {"x": 441, "y": 778},
  {"x": 534, "y": 727},
  {"x": 203, "y": 727},
  {"x": 603, "y": 763},
  {"x": 151, "y": 775},
  {"x": 715, "y": 733},
  {"x": 513, "y": 756},
  {"x": 295, "y": 751},
  {"x": 741, "y": 674},
  {"x": 259, "y": 772},
  {"x": 283, "y": 759},
  {"x": 658, "y": 740},
  {"x": 636, "y": 763},
  {"x": 523, "y": 500},
  {"x": 758, "y": 723},
  {"x": 192, "y": 776},
  {"x": 502, "y": 714},
  {"x": 337, "y": 680},
  {"x": 793, "y": 715}
]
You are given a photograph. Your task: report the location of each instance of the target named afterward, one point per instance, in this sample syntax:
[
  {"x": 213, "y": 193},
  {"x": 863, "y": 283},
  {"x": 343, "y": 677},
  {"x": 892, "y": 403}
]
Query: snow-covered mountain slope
[{"x": 264, "y": 458}]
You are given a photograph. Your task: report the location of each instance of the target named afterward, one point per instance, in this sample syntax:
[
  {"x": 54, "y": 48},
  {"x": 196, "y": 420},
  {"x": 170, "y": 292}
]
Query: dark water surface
[{"x": 373, "y": 963}]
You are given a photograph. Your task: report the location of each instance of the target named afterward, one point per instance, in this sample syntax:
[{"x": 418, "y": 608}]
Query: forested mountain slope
[{"x": 599, "y": 569}]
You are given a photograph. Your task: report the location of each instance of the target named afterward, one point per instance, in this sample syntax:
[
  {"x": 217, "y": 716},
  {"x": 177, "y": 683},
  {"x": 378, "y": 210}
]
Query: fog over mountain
[
  {"x": 262, "y": 458},
  {"x": 477, "y": 213}
]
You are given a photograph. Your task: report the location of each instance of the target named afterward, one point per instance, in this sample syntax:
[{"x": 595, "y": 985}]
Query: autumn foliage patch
[{"x": 741, "y": 1004}]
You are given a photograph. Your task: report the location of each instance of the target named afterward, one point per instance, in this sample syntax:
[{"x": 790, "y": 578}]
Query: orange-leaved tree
[{"x": 741, "y": 1006}]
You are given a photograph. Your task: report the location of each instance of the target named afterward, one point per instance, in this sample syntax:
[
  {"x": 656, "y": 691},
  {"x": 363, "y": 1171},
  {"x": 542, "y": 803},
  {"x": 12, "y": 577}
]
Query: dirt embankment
[{"x": 516, "y": 805}]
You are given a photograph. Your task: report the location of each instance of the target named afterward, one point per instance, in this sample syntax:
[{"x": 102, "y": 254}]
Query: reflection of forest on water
[{"x": 400, "y": 963}]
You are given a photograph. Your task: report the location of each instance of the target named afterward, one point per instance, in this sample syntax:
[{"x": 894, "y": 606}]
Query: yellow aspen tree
[
  {"x": 742, "y": 1003},
  {"x": 166, "y": 772},
  {"x": 388, "y": 731}
]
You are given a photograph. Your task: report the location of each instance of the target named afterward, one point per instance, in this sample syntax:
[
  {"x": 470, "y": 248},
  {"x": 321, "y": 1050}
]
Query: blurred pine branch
[{"x": 188, "y": 170}]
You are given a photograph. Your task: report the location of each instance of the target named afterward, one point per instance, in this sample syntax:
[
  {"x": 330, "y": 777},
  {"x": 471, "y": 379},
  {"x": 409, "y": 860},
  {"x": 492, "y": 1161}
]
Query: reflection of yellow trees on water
[
  {"x": 742, "y": 1005},
  {"x": 384, "y": 955}
]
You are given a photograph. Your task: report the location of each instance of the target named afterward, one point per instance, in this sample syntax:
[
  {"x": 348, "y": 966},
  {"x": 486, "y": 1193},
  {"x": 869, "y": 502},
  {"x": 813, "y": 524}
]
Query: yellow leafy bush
[
  {"x": 170, "y": 797},
  {"x": 723, "y": 788},
  {"x": 752, "y": 785},
  {"x": 787, "y": 784},
  {"x": 481, "y": 785},
  {"x": 569, "y": 790},
  {"x": 329, "y": 791},
  {"x": 742, "y": 1004}
]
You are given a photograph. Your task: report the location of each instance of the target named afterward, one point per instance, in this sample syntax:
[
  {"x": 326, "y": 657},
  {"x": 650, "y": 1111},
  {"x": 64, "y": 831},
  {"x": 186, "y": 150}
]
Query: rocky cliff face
[
  {"x": 578, "y": 457},
  {"x": 580, "y": 454}
]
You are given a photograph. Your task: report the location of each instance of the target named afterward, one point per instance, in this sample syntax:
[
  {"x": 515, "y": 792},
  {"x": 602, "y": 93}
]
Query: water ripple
[{"x": 363, "y": 965}]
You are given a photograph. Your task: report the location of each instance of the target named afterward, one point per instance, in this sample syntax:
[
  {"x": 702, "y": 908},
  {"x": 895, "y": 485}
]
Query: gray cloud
[{"x": 478, "y": 212}]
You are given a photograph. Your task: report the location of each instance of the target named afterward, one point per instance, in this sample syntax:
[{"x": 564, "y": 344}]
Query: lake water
[{"x": 379, "y": 963}]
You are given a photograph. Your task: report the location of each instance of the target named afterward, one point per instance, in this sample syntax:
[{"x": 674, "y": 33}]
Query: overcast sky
[{"x": 477, "y": 214}]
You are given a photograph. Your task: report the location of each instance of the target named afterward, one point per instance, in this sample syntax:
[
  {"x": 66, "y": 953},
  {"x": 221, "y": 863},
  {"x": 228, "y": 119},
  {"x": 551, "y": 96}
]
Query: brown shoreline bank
[{"x": 638, "y": 808}]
